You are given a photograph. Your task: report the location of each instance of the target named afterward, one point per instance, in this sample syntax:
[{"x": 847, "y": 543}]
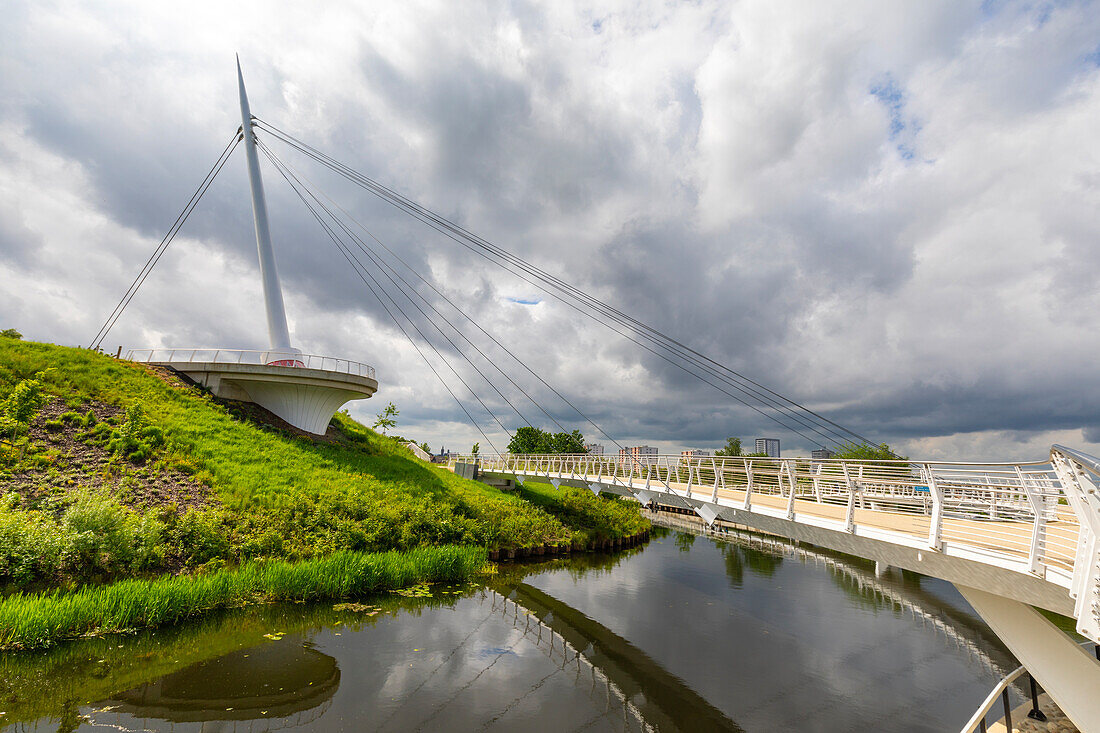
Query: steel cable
[
  {"x": 808, "y": 419},
  {"x": 154, "y": 258}
]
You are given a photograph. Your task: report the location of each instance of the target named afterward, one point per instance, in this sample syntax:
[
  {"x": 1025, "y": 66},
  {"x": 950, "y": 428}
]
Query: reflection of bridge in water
[
  {"x": 955, "y": 627},
  {"x": 642, "y": 693},
  {"x": 638, "y": 689}
]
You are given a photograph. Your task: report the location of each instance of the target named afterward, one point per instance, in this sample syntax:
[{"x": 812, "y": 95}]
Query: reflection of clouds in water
[{"x": 794, "y": 640}]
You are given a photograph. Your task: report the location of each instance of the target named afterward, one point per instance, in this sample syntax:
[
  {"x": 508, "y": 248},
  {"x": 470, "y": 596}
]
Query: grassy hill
[{"x": 125, "y": 471}]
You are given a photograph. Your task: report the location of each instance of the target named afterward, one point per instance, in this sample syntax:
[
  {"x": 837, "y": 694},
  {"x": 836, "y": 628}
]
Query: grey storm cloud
[{"x": 888, "y": 215}]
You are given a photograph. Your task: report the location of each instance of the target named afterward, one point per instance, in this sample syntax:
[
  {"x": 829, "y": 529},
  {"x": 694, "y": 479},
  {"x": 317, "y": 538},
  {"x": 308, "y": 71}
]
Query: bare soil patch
[{"x": 72, "y": 465}]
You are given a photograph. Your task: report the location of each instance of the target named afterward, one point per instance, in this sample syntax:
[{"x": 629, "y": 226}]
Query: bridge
[{"x": 1012, "y": 537}]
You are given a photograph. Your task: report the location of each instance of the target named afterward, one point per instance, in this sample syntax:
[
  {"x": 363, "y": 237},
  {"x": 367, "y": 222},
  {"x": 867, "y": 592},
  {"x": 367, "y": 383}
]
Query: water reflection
[
  {"x": 684, "y": 634},
  {"x": 275, "y": 680},
  {"x": 644, "y": 688},
  {"x": 738, "y": 557}
]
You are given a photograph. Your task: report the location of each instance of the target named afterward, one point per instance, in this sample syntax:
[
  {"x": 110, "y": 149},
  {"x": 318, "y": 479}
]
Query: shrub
[
  {"x": 97, "y": 534},
  {"x": 29, "y": 545},
  {"x": 135, "y": 439},
  {"x": 200, "y": 537}
]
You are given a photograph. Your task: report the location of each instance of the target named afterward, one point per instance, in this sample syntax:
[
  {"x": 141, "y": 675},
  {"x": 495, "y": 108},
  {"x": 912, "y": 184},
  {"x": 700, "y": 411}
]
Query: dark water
[{"x": 685, "y": 634}]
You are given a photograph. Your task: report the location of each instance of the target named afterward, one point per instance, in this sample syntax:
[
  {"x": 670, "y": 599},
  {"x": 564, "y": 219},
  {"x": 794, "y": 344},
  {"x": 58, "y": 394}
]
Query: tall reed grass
[{"x": 34, "y": 621}]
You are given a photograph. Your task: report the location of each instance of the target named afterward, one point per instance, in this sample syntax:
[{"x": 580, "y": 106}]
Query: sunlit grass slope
[{"x": 279, "y": 495}]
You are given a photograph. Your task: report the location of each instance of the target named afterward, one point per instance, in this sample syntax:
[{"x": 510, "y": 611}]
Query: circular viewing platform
[{"x": 305, "y": 390}]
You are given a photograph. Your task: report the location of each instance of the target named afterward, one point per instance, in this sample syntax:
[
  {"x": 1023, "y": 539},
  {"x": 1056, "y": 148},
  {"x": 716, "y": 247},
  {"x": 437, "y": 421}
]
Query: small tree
[
  {"x": 10, "y": 333},
  {"x": 475, "y": 449},
  {"x": 20, "y": 407},
  {"x": 732, "y": 448},
  {"x": 386, "y": 419},
  {"x": 426, "y": 448}
]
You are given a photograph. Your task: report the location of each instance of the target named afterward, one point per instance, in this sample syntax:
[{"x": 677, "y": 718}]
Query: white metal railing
[
  {"x": 999, "y": 693},
  {"x": 1015, "y": 515},
  {"x": 275, "y": 357},
  {"x": 1000, "y": 690}
]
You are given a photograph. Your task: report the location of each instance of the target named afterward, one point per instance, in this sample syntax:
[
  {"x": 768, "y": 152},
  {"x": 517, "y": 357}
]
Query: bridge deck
[{"x": 1003, "y": 536}]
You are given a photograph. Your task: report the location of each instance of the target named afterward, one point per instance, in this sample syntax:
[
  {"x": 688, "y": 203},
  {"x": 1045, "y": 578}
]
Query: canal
[{"x": 687, "y": 633}]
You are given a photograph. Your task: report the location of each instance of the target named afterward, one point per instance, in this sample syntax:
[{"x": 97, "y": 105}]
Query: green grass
[
  {"x": 284, "y": 496},
  {"x": 292, "y": 518},
  {"x": 590, "y": 517},
  {"x": 34, "y": 621}
]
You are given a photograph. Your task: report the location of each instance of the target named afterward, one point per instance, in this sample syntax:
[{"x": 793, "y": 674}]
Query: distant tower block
[{"x": 303, "y": 389}]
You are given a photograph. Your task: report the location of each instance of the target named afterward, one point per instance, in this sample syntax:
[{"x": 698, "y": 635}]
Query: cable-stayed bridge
[{"x": 1010, "y": 536}]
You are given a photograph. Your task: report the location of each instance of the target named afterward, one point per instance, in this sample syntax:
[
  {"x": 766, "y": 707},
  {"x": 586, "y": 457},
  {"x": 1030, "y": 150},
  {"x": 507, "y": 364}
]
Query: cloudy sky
[{"x": 889, "y": 212}]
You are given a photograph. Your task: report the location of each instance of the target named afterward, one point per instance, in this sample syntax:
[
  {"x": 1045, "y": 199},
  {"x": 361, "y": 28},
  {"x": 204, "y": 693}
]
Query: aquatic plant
[{"x": 38, "y": 620}]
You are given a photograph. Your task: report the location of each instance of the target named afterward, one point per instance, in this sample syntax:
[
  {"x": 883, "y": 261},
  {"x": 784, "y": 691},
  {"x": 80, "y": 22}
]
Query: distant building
[
  {"x": 594, "y": 449},
  {"x": 769, "y": 446},
  {"x": 694, "y": 453},
  {"x": 821, "y": 454},
  {"x": 643, "y": 454}
]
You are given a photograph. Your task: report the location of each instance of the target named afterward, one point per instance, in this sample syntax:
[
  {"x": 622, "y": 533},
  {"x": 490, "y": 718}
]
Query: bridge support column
[{"x": 1069, "y": 673}]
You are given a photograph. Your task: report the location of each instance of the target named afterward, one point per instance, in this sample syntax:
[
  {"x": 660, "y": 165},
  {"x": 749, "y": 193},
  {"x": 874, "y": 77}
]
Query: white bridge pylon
[{"x": 1010, "y": 535}]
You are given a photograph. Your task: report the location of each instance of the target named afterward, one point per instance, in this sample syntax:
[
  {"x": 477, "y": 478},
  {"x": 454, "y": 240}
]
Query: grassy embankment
[
  {"x": 594, "y": 520},
  {"x": 126, "y": 473}
]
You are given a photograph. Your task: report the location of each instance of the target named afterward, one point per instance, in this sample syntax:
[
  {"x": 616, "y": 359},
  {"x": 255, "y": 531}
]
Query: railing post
[
  {"x": 1035, "y": 499},
  {"x": 850, "y": 513},
  {"x": 747, "y": 503},
  {"x": 785, "y": 465},
  {"x": 1035, "y": 713},
  {"x": 935, "y": 529}
]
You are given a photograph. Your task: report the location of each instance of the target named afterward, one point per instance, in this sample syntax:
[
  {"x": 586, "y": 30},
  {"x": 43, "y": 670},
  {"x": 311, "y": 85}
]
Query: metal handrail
[
  {"x": 1014, "y": 515},
  {"x": 1092, "y": 463},
  {"x": 252, "y": 356},
  {"x": 977, "y": 720}
]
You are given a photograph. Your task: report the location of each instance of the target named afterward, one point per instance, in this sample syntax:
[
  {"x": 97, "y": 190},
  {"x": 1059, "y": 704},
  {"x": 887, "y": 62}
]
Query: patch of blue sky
[
  {"x": 523, "y": 301},
  {"x": 903, "y": 131},
  {"x": 991, "y": 7},
  {"x": 1094, "y": 57}
]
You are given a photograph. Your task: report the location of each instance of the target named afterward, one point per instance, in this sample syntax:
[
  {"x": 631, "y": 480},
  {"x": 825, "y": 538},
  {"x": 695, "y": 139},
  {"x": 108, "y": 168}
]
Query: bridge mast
[{"x": 273, "y": 295}]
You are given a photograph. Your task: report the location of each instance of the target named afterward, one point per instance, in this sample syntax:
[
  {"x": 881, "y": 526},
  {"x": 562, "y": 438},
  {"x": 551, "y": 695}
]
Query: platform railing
[
  {"x": 275, "y": 357},
  {"x": 1016, "y": 514}
]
